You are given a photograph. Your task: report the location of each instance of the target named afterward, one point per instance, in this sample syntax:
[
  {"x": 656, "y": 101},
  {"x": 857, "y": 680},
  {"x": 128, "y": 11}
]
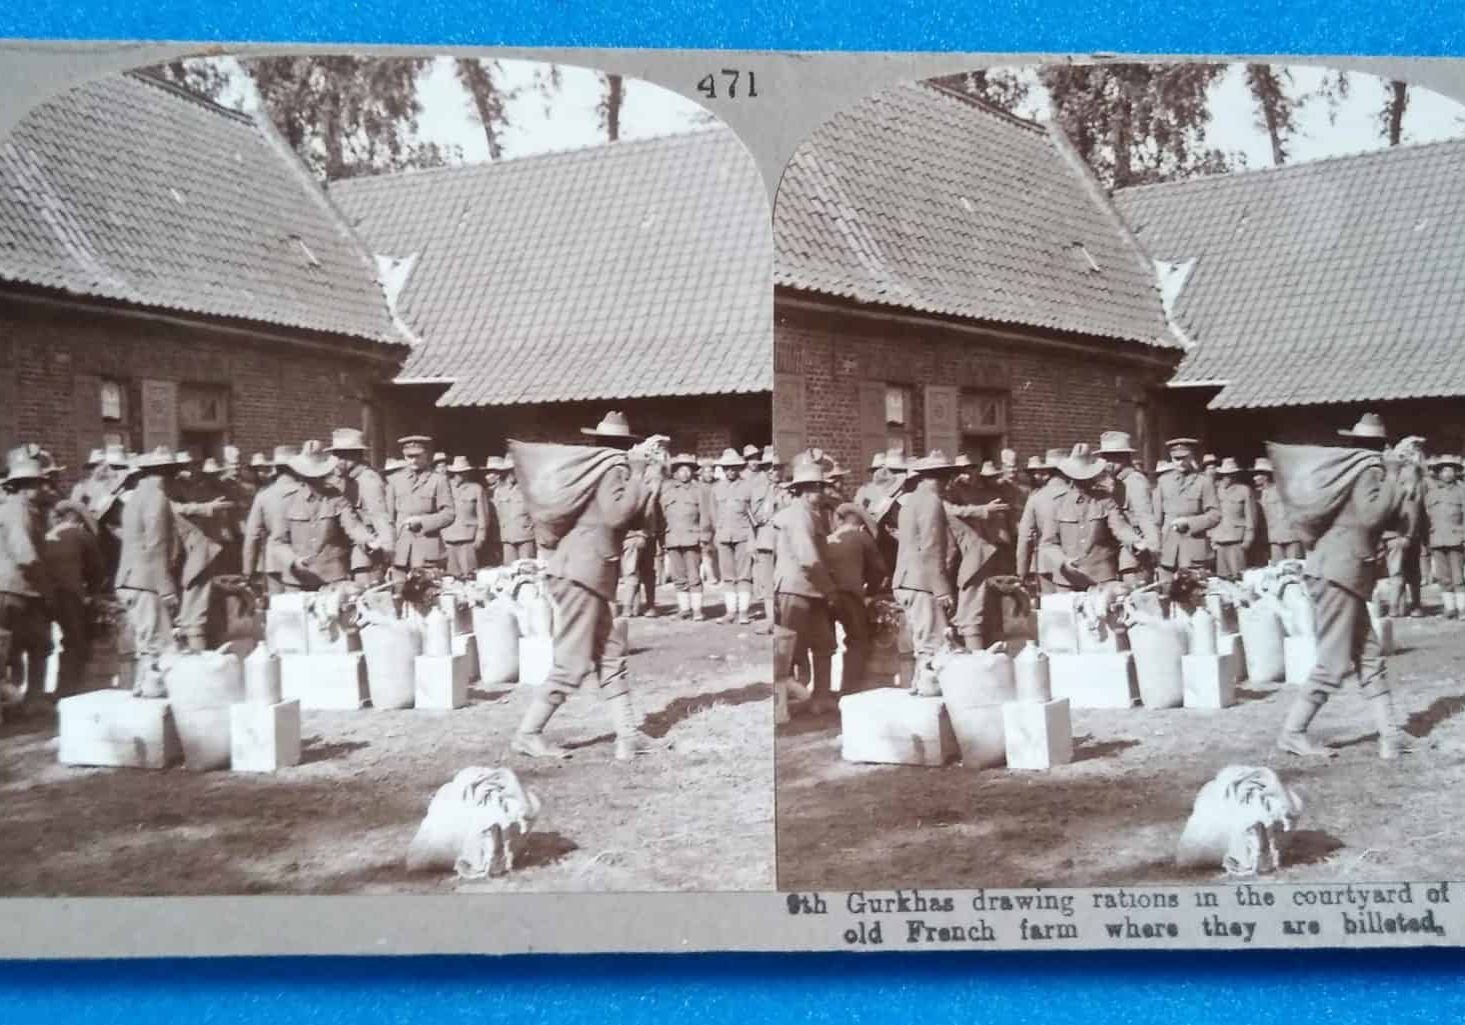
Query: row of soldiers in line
[
  {"x": 163, "y": 530},
  {"x": 952, "y": 539},
  {"x": 944, "y": 530}
]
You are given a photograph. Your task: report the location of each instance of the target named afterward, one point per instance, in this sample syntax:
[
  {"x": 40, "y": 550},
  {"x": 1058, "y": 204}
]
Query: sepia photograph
[
  {"x": 1125, "y": 542},
  {"x": 389, "y": 463}
]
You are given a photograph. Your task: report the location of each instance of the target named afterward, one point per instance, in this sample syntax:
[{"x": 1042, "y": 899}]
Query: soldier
[
  {"x": 1232, "y": 537},
  {"x": 420, "y": 506},
  {"x": 1340, "y": 576},
  {"x": 877, "y": 488},
  {"x": 581, "y": 580},
  {"x": 1402, "y": 547},
  {"x": 1283, "y": 540},
  {"x": 311, "y": 526},
  {"x": 468, "y": 533},
  {"x": 262, "y": 469},
  {"x": 1444, "y": 503},
  {"x": 732, "y": 518},
  {"x": 1186, "y": 509},
  {"x": 256, "y": 560},
  {"x": 74, "y": 565},
  {"x": 365, "y": 492},
  {"x": 104, "y": 508},
  {"x": 239, "y": 487},
  {"x": 706, "y": 479},
  {"x": 686, "y": 518},
  {"x": 1136, "y": 505},
  {"x": 752, "y": 465},
  {"x": 1039, "y": 509},
  {"x": 147, "y": 578},
  {"x": 1081, "y": 531},
  {"x": 980, "y": 548},
  {"x": 204, "y": 531},
  {"x": 920, "y": 582},
  {"x": 25, "y": 584},
  {"x": 803, "y": 586},
  {"x": 770, "y": 497},
  {"x": 858, "y": 571},
  {"x": 98, "y": 482},
  {"x": 516, "y": 529},
  {"x": 1038, "y": 471},
  {"x": 440, "y": 462}
]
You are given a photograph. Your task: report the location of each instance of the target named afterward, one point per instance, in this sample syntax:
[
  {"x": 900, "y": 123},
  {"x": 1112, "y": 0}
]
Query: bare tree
[
  {"x": 1391, "y": 117},
  {"x": 490, "y": 99},
  {"x": 612, "y": 100},
  {"x": 1276, "y": 106}
]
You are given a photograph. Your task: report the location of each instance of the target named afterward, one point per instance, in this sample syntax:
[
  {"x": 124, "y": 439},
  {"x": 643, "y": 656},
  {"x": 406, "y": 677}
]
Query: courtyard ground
[
  {"x": 1114, "y": 815},
  {"x": 699, "y": 817}
]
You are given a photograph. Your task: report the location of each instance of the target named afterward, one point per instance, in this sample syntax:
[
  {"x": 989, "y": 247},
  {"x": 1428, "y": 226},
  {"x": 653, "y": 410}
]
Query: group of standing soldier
[{"x": 954, "y": 541}]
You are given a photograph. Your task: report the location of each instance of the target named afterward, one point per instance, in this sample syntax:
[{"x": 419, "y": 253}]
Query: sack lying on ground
[
  {"x": 1237, "y": 821},
  {"x": 475, "y": 825},
  {"x": 558, "y": 481}
]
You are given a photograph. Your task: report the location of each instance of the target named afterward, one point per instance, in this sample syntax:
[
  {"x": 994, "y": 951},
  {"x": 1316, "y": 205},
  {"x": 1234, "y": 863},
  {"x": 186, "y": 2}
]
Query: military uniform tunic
[
  {"x": 1283, "y": 540},
  {"x": 516, "y": 527},
  {"x": 686, "y": 516},
  {"x": 424, "y": 497},
  {"x": 469, "y": 530},
  {"x": 1444, "y": 505},
  {"x": 733, "y": 526},
  {"x": 1232, "y": 537},
  {"x": 1188, "y": 498}
]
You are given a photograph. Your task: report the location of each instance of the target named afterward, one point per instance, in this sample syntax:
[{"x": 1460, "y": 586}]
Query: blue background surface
[{"x": 1134, "y": 988}]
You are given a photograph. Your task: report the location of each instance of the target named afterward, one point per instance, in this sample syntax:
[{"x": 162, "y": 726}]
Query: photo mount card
[{"x": 807, "y": 330}]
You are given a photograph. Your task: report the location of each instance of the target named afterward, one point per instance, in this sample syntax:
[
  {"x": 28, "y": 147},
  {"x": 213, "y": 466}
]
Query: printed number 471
[{"x": 730, "y": 77}]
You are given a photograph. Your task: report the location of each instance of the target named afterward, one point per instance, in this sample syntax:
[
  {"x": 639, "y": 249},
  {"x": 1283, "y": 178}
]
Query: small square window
[{"x": 111, "y": 400}]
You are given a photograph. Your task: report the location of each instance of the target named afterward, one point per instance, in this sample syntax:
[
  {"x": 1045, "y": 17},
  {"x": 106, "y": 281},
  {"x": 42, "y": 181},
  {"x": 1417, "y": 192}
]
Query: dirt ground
[
  {"x": 1113, "y": 816},
  {"x": 699, "y": 817}
]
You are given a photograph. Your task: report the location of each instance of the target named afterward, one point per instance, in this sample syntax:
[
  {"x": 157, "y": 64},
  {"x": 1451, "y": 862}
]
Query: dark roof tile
[
  {"x": 132, "y": 190},
  {"x": 923, "y": 199},
  {"x": 1340, "y": 280},
  {"x": 630, "y": 270}
]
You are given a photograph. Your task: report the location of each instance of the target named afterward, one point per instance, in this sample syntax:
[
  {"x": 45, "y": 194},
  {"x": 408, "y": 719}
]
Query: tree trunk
[
  {"x": 1394, "y": 107},
  {"x": 615, "y": 95},
  {"x": 481, "y": 89}
]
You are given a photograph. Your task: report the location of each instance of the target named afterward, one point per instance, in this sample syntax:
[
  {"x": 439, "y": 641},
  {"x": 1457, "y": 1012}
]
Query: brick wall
[
  {"x": 1056, "y": 395},
  {"x": 53, "y": 360},
  {"x": 704, "y": 425},
  {"x": 1243, "y": 433}
]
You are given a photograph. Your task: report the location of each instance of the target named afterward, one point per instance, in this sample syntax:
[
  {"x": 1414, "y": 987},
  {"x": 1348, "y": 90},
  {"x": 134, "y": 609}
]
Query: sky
[
  {"x": 1353, "y": 129},
  {"x": 569, "y": 120}
]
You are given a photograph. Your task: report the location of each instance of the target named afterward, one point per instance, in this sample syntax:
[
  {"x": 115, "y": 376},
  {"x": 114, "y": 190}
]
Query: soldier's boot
[
  {"x": 852, "y": 671},
  {"x": 1459, "y": 603},
  {"x": 684, "y": 605},
  {"x": 785, "y": 687},
  {"x": 630, "y": 740},
  {"x": 730, "y": 607},
  {"x": 648, "y": 602},
  {"x": 1294, "y": 739},
  {"x": 821, "y": 701},
  {"x": 767, "y": 627},
  {"x": 1393, "y": 741},
  {"x": 745, "y": 602},
  {"x": 1447, "y": 599},
  {"x": 148, "y": 679},
  {"x": 529, "y": 737},
  {"x": 37, "y": 701},
  {"x": 697, "y": 615}
]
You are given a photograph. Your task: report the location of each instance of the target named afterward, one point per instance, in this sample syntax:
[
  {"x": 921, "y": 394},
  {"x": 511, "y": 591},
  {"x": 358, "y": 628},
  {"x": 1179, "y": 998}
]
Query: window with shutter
[
  {"x": 790, "y": 426},
  {"x": 942, "y": 419}
]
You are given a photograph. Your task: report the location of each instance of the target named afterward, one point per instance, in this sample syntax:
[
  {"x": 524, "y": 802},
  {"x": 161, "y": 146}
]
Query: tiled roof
[
  {"x": 921, "y": 199},
  {"x": 131, "y": 190},
  {"x": 1341, "y": 280},
  {"x": 630, "y": 270}
]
